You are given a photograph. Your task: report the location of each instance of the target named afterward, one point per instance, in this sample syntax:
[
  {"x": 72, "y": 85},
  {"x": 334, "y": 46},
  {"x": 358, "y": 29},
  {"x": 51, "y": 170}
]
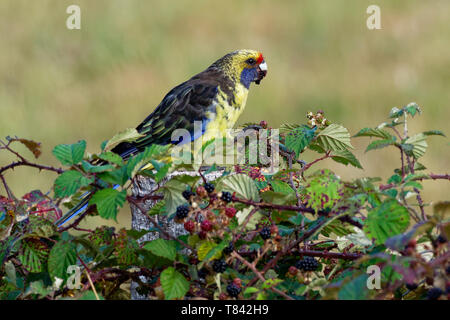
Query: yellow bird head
[{"x": 246, "y": 66}]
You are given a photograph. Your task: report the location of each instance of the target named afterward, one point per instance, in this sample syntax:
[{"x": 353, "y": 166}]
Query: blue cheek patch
[{"x": 247, "y": 76}]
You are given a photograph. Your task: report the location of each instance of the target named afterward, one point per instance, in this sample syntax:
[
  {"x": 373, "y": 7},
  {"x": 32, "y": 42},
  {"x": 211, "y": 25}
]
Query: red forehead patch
[{"x": 260, "y": 58}]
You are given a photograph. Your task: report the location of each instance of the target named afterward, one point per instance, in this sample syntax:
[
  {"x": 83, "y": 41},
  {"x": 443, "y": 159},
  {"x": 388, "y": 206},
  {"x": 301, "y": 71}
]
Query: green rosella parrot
[{"x": 215, "y": 97}]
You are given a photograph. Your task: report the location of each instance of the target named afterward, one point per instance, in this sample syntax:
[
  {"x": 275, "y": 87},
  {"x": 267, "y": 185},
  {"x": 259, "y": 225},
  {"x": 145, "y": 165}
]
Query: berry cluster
[
  {"x": 265, "y": 233},
  {"x": 226, "y": 196},
  {"x": 205, "y": 220},
  {"x": 233, "y": 290},
  {"x": 209, "y": 187},
  {"x": 220, "y": 266},
  {"x": 182, "y": 212},
  {"x": 307, "y": 264}
]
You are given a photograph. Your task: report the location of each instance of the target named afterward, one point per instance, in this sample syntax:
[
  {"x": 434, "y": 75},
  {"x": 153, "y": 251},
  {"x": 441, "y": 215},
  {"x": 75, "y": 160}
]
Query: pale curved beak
[{"x": 262, "y": 72}]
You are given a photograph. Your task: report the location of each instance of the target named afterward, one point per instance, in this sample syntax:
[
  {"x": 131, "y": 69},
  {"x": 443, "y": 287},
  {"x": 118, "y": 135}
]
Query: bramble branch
[{"x": 258, "y": 274}]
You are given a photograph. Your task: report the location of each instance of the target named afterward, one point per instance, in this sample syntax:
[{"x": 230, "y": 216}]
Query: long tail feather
[{"x": 125, "y": 152}]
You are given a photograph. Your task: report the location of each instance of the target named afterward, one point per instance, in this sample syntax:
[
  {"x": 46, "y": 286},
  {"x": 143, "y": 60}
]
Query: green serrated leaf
[
  {"x": 158, "y": 208},
  {"x": 379, "y": 133},
  {"x": 204, "y": 247},
  {"x": 135, "y": 163},
  {"x": 162, "y": 248},
  {"x": 107, "y": 201},
  {"x": 111, "y": 157},
  {"x": 412, "y": 108},
  {"x": 62, "y": 255},
  {"x": 378, "y": 144},
  {"x": 385, "y": 221},
  {"x": 173, "y": 283},
  {"x": 419, "y": 144},
  {"x": 70, "y": 154},
  {"x": 324, "y": 190},
  {"x": 172, "y": 195},
  {"x": 334, "y": 137},
  {"x": 95, "y": 169},
  {"x": 299, "y": 138},
  {"x": 281, "y": 187},
  {"x": 243, "y": 185},
  {"x": 34, "y": 255},
  {"x": 356, "y": 289},
  {"x": 69, "y": 182},
  {"x": 346, "y": 157},
  {"x": 433, "y": 133},
  {"x": 128, "y": 135},
  {"x": 118, "y": 176}
]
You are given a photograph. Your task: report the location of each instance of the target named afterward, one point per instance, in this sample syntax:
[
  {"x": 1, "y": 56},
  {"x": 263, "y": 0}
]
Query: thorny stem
[
  {"x": 30, "y": 164},
  {"x": 307, "y": 166},
  {"x": 331, "y": 255},
  {"x": 264, "y": 205},
  {"x": 86, "y": 268},
  {"x": 259, "y": 275},
  {"x": 8, "y": 191},
  {"x": 430, "y": 176}
]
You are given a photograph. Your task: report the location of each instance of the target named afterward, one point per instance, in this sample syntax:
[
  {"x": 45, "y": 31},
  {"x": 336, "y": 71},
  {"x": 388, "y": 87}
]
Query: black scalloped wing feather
[{"x": 184, "y": 104}]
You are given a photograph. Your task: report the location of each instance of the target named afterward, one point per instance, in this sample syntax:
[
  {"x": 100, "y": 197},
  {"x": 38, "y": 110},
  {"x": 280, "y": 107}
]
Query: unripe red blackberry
[
  {"x": 201, "y": 191},
  {"x": 202, "y": 235},
  {"x": 206, "y": 225},
  {"x": 237, "y": 282},
  {"x": 223, "y": 296},
  {"x": 293, "y": 270},
  {"x": 189, "y": 226},
  {"x": 274, "y": 229},
  {"x": 230, "y": 212}
]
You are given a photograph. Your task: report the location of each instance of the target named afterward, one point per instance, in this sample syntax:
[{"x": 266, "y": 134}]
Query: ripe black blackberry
[
  {"x": 220, "y": 266},
  {"x": 187, "y": 194},
  {"x": 209, "y": 187},
  {"x": 434, "y": 293},
  {"x": 226, "y": 196},
  {"x": 229, "y": 249},
  {"x": 182, "y": 211},
  {"x": 202, "y": 273},
  {"x": 233, "y": 290},
  {"x": 307, "y": 264},
  {"x": 265, "y": 233},
  {"x": 441, "y": 239}
]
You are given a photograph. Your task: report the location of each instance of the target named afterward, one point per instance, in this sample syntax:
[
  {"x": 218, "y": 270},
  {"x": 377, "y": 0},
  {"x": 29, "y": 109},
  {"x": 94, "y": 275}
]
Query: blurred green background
[{"x": 60, "y": 86}]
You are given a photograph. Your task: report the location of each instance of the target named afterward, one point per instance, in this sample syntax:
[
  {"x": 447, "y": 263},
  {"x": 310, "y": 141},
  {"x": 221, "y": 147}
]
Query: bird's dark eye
[{"x": 251, "y": 61}]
